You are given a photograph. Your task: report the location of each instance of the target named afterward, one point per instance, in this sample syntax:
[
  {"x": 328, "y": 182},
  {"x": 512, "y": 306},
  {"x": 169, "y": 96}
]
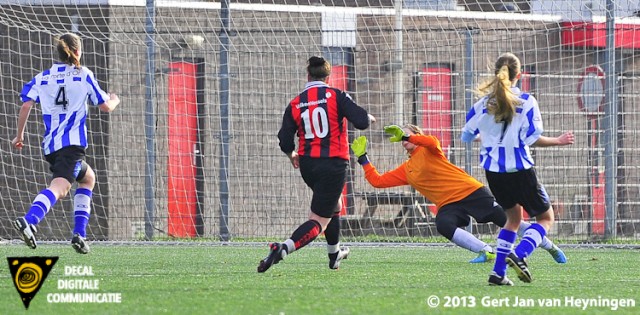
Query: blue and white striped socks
[
  {"x": 546, "y": 243},
  {"x": 81, "y": 210},
  {"x": 530, "y": 240},
  {"x": 40, "y": 207},
  {"x": 506, "y": 239}
]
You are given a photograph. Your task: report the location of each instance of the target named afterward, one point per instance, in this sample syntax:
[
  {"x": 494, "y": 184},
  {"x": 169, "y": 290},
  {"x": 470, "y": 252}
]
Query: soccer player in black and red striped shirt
[{"x": 318, "y": 116}]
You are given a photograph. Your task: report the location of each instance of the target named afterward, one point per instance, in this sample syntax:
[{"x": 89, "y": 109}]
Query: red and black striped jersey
[{"x": 318, "y": 116}]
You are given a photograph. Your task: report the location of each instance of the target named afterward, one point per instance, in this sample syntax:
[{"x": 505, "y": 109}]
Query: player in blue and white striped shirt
[
  {"x": 62, "y": 92},
  {"x": 507, "y": 122}
]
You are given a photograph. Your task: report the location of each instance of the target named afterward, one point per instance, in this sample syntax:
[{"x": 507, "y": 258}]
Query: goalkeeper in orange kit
[{"x": 455, "y": 193}]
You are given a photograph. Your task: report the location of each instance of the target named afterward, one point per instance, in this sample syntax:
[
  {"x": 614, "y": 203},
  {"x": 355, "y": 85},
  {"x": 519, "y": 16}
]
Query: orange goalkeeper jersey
[{"x": 428, "y": 171}]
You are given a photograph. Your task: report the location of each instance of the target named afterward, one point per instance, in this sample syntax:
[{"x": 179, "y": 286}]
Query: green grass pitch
[{"x": 174, "y": 279}]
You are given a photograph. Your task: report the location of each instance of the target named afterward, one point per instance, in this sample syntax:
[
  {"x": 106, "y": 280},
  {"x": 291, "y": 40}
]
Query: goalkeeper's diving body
[
  {"x": 456, "y": 194},
  {"x": 62, "y": 92}
]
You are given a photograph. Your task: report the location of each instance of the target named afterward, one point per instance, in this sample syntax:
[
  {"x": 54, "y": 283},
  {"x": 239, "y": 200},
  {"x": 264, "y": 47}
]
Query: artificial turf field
[{"x": 188, "y": 279}]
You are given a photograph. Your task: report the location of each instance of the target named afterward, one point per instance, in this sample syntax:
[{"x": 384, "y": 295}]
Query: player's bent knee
[
  {"x": 497, "y": 217},
  {"x": 87, "y": 177},
  {"x": 446, "y": 227},
  {"x": 82, "y": 174}
]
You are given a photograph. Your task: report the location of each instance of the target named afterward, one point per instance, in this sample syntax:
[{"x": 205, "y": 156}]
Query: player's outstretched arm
[{"x": 564, "y": 139}]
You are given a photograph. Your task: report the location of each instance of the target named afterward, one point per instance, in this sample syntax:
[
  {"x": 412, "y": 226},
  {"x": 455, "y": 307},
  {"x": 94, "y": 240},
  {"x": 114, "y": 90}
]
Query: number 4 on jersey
[{"x": 61, "y": 97}]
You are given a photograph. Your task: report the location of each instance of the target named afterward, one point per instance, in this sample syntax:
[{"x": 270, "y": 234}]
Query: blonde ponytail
[{"x": 502, "y": 101}]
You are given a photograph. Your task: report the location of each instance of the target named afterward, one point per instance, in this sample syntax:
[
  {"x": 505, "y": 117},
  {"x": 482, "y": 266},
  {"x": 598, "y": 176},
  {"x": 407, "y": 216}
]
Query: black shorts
[
  {"x": 326, "y": 178},
  {"x": 68, "y": 163},
  {"x": 520, "y": 188},
  {"x": 480, "y": 205}
]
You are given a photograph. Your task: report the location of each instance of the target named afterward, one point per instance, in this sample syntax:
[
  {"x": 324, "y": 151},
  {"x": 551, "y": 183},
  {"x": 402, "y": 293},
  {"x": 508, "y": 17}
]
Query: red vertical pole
[{"x": 182, "y": 137}]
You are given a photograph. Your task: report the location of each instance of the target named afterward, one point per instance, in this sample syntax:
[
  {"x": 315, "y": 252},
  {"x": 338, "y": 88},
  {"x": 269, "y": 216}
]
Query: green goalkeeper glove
[
  {"x": 396, "y": 132},
  {"x": 359, "y": 147}
]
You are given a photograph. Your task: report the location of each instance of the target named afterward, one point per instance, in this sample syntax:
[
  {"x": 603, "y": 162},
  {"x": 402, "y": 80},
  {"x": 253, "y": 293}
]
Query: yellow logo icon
[{"x": 28, "y": 274}]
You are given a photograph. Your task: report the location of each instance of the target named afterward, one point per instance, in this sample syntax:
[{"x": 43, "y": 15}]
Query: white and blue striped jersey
[
  {"x": 62, "y": 92},
  {"x": 505, "y": 147}
]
